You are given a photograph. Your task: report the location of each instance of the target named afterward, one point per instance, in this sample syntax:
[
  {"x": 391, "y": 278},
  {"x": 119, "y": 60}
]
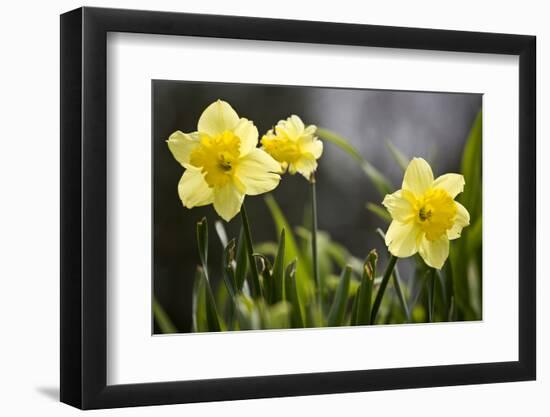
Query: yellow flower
[
  {"x": 294, "y": 146},
  {"x": 425, "y": 215},
  {"x": 222, "y": 163}
]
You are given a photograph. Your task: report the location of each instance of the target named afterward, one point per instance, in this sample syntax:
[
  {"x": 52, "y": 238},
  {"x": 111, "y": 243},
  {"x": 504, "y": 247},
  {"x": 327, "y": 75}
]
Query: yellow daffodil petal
[
  {"x": 182, "y": 144},
  {"x": 452, "y": 183},
  {"x": 248, "y": 135},
  {"x": 217, "y": 118},
  {"x": 418, "y": 176},
  {"x": 292, "y": 127},
  {"x": 311, "y": 145},
  {"x": 310, "y": 130},
  {"x": 434, "y": 252},
  {"x": 193, "y": 189},
  {"x": 257, "y": 171},
  {"x": 462, "y": 220},
  {"x": 306, "y": 165},
  {"x": 402, "y": 238},
  {"x": 399, "y": 207},
  {"x": 227, "y": 201}
]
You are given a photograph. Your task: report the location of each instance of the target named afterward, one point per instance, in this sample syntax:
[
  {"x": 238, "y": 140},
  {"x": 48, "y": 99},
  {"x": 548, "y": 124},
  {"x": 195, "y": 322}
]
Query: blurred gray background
[{"x": 431, "y": 125}]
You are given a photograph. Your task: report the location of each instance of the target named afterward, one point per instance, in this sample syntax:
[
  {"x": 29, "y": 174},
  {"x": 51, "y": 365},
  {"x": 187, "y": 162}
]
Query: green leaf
[
  {"x": 353, "y": 318},
  {"x": 364, "y": 294},
  {"x": 399, "y": 157},
  {"x": 381, "y": 183},
  {"x": 202, "y": 242},
  {"x": 329, "y": 253},
  {"x": 254, "y": 276},
  {"x": 220, "y": 230},
  {"x": 242, "y": 261},
  {"x": 163, "y": 321},
  {"x": 465, "y": 252},
  {"x": 265, "y": 273},
  {"x": 338, "y": 308},
  {"x": 431, "y": 295},
  {"x": 400, "y": 296},
  {"x": 382, "y": 288},
  {"x": 296, "y": 319},
  {"x": 396, "y": 282},
  {"x": 248, "y": 315},
  {"x": 200, "y": 323},
  {"x": 212, "y": 316},
  {"x": 472, "y": 168},
  {"x": 228, "y": 260},
  {"x": 473, "y": 236},
  {"x": 421, "y": 276},
  {"x": 379, "y": 211},
  {"x": 267, "y": 248},
  {"x": 275, "y": 316},
  {"x": 304, "y": 282},
  {"x": 278, "y": 271}
]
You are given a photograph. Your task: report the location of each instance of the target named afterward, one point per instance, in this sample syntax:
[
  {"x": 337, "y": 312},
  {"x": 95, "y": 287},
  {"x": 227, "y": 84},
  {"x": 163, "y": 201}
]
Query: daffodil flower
[
  {"x": 222, "y": 162},
  {"x": 425, "y": 215},
  {"x": 294, "y": 146}
]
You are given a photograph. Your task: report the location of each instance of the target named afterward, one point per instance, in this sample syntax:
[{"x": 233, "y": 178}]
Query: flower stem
[
  {"x": 399, "y": 292},
  {"x": 314, "y": 259},
  {"x": 397, "y": 283},
  {"x": 256, "y": 290},
  {"x": 382, "y": 289},
  {"x": 431, "y": 297}
]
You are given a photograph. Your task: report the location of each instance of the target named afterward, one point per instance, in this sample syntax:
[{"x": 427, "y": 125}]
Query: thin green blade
[
  {"x": 338, "y": 308},
  {"x": 161, "y": 317},
  {"x": 296, "y": 318}
]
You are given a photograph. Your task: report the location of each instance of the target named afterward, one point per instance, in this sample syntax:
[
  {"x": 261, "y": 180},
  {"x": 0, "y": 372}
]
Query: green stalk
[
  {"x": 314, "y": 240},
  {"x": 397, "y": 283},
  {"x": 382, "y": 289},
  {"x": 431, "y": 297},
  {"x": 399, "y": 292},
  {"x": 256, "y": 290}
]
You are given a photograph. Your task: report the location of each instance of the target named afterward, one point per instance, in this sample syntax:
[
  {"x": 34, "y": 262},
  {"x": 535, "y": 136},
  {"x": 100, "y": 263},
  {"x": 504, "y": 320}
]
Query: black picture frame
[{"x": 84, "y": 197}]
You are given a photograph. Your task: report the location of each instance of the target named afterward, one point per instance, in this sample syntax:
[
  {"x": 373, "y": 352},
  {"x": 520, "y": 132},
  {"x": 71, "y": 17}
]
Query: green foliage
[
  {"x": 162, "y": 319},
  {"x": 362, "y": 312},
  {"x": 304, "y": 279},
  {"x": 278, "y": 271},
  {"x": 338, "y": 308},
  {"x": 466, "y": 252},
  {"x": 296, "y": 318}
]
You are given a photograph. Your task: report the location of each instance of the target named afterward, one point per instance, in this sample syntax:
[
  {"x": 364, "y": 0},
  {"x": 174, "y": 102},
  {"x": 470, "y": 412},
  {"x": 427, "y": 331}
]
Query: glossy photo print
[{"x": 286, "y": 207}]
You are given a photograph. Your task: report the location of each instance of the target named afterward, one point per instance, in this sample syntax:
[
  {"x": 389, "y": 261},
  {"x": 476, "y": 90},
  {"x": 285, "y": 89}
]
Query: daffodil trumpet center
[
  {"x": 434, "y": 212},
  {"x": 217, "y": 156},
  {"x": 284, "y": 151}
]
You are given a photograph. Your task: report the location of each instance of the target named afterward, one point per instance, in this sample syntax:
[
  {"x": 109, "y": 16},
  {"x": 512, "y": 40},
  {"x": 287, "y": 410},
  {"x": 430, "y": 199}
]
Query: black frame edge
[
  {"x": 528, "y": 207},
  {"x": 70, "y": 219},
  {"x": 83, "y": 205}
]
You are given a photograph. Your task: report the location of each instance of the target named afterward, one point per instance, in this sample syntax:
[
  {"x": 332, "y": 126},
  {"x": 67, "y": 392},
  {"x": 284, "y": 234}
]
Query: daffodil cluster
[{"x": 223, "y": 163}]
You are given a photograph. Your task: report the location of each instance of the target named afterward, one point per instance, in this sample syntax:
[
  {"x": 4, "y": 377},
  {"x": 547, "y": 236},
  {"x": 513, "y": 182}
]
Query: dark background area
[{"x": 430, "y": 125}]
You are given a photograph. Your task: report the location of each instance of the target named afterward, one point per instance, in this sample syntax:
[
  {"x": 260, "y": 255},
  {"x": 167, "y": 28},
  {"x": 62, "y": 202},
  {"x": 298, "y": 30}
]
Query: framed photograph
[{"x": 259, "y": 208}]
